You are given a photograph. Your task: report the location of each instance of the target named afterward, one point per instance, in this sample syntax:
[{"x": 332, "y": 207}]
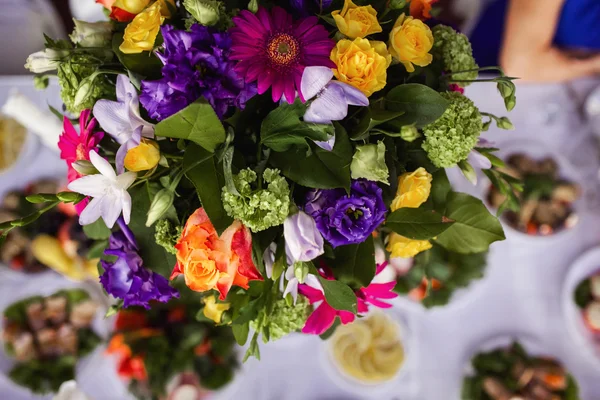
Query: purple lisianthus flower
[
  {"x": 307, "y": 7},
  {"x": 347, "y": 219},
  {"x": 303, "y": 242},
  {"x": 127, "y": 279},
  {"x": 196, "y": 64}
]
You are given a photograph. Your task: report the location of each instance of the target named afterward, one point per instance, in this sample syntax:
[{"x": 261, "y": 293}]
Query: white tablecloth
[{"x": 519, "y": 296}]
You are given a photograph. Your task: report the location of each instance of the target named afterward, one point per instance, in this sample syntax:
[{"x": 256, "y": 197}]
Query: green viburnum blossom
[
  {"x": 284, "y": 319},
  {"x": 72, "y": 73},
  {"x": 451, "y": 138},
  {"x": 166, "y": 234},
  {"x": 369, "y": 162},
  {"x": 455, "y": 52},
  {"x": 257, "y": 208}
]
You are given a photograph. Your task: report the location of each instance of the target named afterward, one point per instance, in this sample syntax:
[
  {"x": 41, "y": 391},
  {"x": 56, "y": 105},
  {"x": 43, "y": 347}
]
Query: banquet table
[{"x": 519, "y": 297}]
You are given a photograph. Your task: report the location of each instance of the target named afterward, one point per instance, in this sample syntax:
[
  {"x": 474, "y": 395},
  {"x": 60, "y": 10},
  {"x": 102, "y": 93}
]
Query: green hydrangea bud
[
  {"x": 451, "y": 138},
  {"x": 285, "y": 318},
  {"x": 258, "y": 209},
  {"x": 71, "y": 76},
  {"x": 454, "y": 51},
  {"x": 409, "y": 133},
  {"x": 206, "y": 12},
  {"x": 167, "y": 234},
  {"x": 369, "y": 162}
]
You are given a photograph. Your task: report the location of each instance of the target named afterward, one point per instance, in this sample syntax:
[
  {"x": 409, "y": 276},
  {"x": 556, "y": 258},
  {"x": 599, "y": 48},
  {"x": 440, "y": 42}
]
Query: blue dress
[{"x": 578, "y": 28}]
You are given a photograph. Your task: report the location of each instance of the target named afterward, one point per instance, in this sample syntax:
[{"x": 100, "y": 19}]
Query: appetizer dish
[
  {"x": 368, "y": 350},
  {"x": 437, "y": 273},
  {"x": 55, "y": 240},
  {"x": 46, "y": 336},
  {"x": 587, "y": 298},
  {"x": 12, "y": 139},
  {"x": 510, "y": 374},
  {"x": 546, "y": 200},
  {"x": 185, "y": 351}
]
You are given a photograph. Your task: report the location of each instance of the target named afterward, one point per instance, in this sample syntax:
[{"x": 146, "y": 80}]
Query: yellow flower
[
  {"x": 214, "y": 310},
  {"x": 49, "y": 251},
  {"x": 400, "y": 246},
  {"x": 361, "y": 63},
  {"x": 166, "y": 6},
  {"x": 410, "y": 42},
  {"x": 143, "y": 157},
  {"x": 356, "y": 21},
  {"x": 131, "y": 6},
  {"x": 413, "y": 189},
  {"x": 141, "y": 33}
]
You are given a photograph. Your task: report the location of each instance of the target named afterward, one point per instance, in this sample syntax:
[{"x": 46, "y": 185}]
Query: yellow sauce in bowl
[{"x": 369, "y": 349}]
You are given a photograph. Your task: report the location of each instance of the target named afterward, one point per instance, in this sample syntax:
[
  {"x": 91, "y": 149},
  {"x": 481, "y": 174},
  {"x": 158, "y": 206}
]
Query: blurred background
[{"x": 528, "y": 288}]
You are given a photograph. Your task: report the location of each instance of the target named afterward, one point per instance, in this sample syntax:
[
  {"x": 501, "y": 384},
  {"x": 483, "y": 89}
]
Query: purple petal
[
  {"x": 478, "y": 160},
  {"x": 330, "y": 106},
  {"x": 354, "y": 97},
  {"x": 314, "y": 79}
]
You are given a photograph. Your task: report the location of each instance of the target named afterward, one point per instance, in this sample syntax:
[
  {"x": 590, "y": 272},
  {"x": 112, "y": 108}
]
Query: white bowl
[
  {"x": 401, "y": 385},
  {"x": 567, "y": 171},
  {"x": 583, "y": 268}
]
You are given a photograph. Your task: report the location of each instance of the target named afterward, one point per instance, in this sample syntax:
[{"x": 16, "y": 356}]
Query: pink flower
[
  {"x": 453, "y": 87},
  {"x": 76, "y": 146},
  {"x": 274, "y": 50},
  {"x": 323, "y": 317}
]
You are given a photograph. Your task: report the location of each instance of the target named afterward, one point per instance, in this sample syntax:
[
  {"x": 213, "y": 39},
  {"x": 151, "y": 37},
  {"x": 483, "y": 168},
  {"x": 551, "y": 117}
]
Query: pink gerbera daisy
[
  {"x": 76, "y": 146},
  {"x": 274, "y": 51}
]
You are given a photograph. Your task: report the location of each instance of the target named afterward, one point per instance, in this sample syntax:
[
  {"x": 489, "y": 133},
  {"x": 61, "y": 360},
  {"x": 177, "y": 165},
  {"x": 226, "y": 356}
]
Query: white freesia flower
[
  {"x": 108, "y": 191},
  {"x": 45, "y": 60},
  {"x": 293, "y": 282},
  {"x": 70, "y": 391}
]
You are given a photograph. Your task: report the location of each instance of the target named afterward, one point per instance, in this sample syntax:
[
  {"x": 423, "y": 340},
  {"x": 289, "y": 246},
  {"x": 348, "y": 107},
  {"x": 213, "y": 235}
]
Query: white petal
[
  {"x": 126, "y": 205},
  {"x": 269, "y": 259},
  {"x": 330, "y": 106},
  {"x": 292, "y": 287},
  {"x": 289, "y": 273},
  {"x": 126, "y": 179},
  {"x": 111, "y": 208},
  {"x": 91, "y": 185},
  {"x": 327, "y": 145},
  {"x": 92, "y": 212},
  {"x": 314, "y": 80},
  {"x": 478, "y": 160},
  {"x": 125, "y": 88},
  {"x": 313, "y": 282},
  {"x": 354, "y": 97},
  {"x": 113, "y": 118},
  {"x": 102, "y": 165}
]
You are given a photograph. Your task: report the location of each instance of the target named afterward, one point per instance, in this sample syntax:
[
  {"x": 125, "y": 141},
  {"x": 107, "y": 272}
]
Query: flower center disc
[
  {"x": 283, "y": 49},
  {"x": 80, "y": 152}
]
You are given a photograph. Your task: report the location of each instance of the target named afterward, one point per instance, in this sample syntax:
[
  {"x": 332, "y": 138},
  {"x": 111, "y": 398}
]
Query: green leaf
[
  {"x": 208, "y": 183},
  {"x": 440, "y": 187},
  {"x": 327, "y": 334},
  {"x": 97, "y": 231},
  {"x": 282, "y": 128},
  {"x": 198, "y": 123},
  {"x": 474, "y": 228},
  {"x": 96, "y": 250},
  {"x": 421, "y": 104},
  {"x": 240, "y": 332},
  {"x": 417, "y": 223},
  {"x": 145, "y": 63},
  {"x": 355, "y": 262},
  {"x": 322, "y": 169},
  {"x": 369, "y": 119},
  {"x": 253, "y": 349},
  {"x": 339, "y": 295}
]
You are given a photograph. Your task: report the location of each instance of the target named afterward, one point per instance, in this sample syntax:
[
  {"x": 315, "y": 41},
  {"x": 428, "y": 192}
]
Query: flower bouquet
[
  {"x": 47, "y": 335},
  {"x": 259, "y": 151},
  {"x": 163, "y": 349}
]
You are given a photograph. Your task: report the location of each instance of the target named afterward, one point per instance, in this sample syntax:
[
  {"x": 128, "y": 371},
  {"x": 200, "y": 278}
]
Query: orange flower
[
  {"x": 106, "y": 3},
  {"x": 421, "y": 9},
  {"x": 208, "y": 261}
]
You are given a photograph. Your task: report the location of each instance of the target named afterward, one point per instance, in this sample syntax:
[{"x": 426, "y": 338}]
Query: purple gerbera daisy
[{"x": 274, "y": 50}]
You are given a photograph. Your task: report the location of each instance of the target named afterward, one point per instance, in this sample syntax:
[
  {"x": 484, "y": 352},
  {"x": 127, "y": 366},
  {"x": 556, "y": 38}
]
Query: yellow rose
[
  {"x": 143, "y": 157},
  {"x": 413, "y": 189},
  {"x": 356, "y": 21},
  {"x": 166, "y": 6},
  {"x": 131, "y": 6},
  {"x": 141, "y": 33},
  {"x": 400, "y": 246},
  {"x": 361, "y": 63},
  {"x": 214, "y": 310},
  {"x": 410, "y": 42}
]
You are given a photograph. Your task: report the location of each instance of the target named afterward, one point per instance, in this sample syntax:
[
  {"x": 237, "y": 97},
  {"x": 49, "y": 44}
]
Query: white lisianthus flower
[
  {"x": 45, "y": 60},
  {"x": 91, "y": 34},
  {"x": 70, "y": 391}
]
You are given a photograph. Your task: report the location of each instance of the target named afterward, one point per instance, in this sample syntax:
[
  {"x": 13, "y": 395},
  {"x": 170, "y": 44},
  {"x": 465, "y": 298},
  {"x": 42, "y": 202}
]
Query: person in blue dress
[{"x": 540, "y": 40}]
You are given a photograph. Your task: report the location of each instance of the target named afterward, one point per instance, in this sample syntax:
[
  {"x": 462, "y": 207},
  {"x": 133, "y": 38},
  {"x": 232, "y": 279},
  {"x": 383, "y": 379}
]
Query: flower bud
[
  {"x": 409, "y": 133},
  {"x": 69, "y": 197},
  {"x": 300, "y": 271},
  {"x": 161, "y": 203},
  {"x": 41, "y": 82},
  {"x": 204, "y": 11},
  {"x": 45, "y": 60},
  {"x": 397, "y": 4},
  {"x": 84, "y": 90},
  {"x": 91, "y": 34},
  {"x": 84, "y": 167},
  {"x": 143, "y": 157},
  {"x": 510, "y": 102},
  {"x": 504, "y": 123},
  {"x": 369, "y": 162},
  {"x": 253, "y": 6},
  {"x": 468, "y": 171},
  {"x": 213, "y": 310},
  {"x": 303, "y": 241}
]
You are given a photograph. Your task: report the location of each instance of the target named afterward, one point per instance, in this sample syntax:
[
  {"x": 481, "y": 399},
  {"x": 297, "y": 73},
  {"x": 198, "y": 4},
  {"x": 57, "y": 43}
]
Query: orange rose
[
  {"x": 421, "y": 9},
  {"x": 208, "y": 261}
]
